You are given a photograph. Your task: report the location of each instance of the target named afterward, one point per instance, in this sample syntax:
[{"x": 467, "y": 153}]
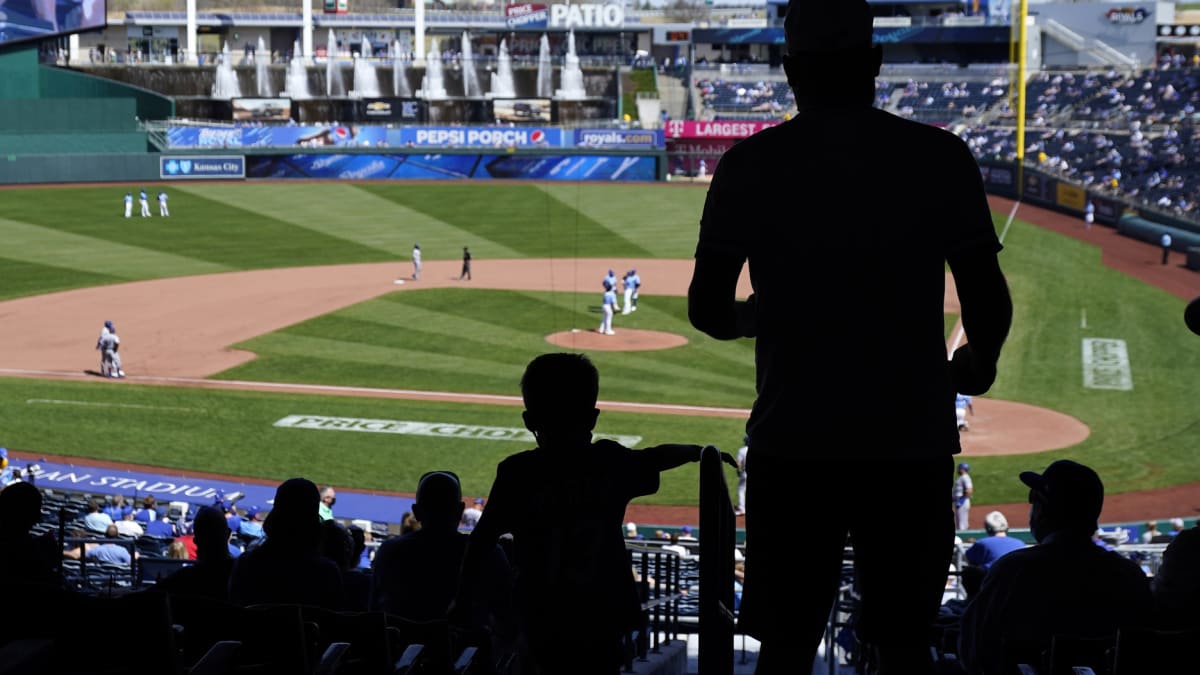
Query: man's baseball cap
[
  {"x": 995, "y": 522},
  {"x": 965, "y": 467},
  {"x": 1073, "y": 491}
]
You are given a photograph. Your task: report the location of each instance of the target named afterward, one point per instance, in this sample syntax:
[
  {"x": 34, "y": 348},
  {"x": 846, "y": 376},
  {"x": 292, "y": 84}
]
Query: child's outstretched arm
[{"x": 671, "y": 455}]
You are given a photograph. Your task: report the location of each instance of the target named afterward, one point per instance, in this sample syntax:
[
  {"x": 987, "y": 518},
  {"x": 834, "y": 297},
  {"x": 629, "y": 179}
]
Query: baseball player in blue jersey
[
  {"x": 162, "y": 205},
  {"x": 609, "y": 302},
  {"x": 128, "y": 204},
  {"x": 145, "y": 203},
  {"x": 611, "y": 281}
]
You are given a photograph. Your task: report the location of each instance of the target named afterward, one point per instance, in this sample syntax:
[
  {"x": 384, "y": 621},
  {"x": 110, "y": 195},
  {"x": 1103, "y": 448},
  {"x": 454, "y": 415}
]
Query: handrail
[{"x": 717, "y": 620}]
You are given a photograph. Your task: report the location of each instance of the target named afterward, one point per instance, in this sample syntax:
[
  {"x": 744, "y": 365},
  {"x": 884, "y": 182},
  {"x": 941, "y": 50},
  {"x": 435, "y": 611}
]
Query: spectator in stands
[
  {"x": 147, "y": 513},
  {"x": 676, "y": 547},
  {"x": 1151, "y": 532},
  {"x": 161, "y": 526},
  {"x": 1176, "y": 586},
  {"x": 178, "y": 550},
  {"x": 409, "y": 523},
  {"x": 209, "y": 576},
  {"x": 337, "y": 546},
  {"x": 362, "y": 555},
  {"x": 233, "y": 519},
  {"x": 328, "y": 499},
  {"x": 567, "y": 558},
  {"x": 127, "y": 526},
  {"x": 631, "y": 531},
  {"x": 685, "y": 534},
  {"x": 107, "y": 552},
  {"x": 415, "y": 575},
  {"x": 768, "y": 195},
  {"x": 470, "y": 517},
  {"x": 1177, "y": 526},
  {"x": 287, "y": 566},
  {"x": 997, "y": 542},
  {"x": 1030, "y": 595},
  {"x": 251, "y": 527},
  {"x": 115, "y": 507},
  {"x": 25, "y": 557},
  {"x": 97, "y": 520}
]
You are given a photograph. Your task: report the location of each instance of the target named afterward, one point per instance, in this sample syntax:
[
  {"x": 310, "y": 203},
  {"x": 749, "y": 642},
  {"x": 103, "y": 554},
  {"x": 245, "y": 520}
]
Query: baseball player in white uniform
[
  {"x": 100, "y": 341},
  {"x": 963, "y": 405},
  {"x": 416, "y": 262},
  {"x": 109, "y": 344},
  {"x": 635, "y": 280},
  {"x": 740, "y": 510},
  {"x": 145, "y": 203},
  {"x": 128, "y": 204},
  {"x": 627, "y": 288},
  {"x": 162, "y": 205},
  {"x": 610, "y": 300}
]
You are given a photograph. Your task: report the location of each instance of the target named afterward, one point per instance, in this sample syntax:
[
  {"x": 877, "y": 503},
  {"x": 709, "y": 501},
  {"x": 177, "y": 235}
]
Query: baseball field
[{"x": 264, "y": 336}]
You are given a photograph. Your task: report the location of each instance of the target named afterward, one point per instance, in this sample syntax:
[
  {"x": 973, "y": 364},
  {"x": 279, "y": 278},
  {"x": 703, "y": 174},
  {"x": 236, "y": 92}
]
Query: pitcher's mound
[{"x": 623, "y": 340}]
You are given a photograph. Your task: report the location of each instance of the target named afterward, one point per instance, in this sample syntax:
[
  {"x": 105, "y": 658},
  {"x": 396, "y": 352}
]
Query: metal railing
[{"x": 717, "y": 522}]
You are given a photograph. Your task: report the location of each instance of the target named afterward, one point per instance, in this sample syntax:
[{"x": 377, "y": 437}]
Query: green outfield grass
[{"x": 479, "y": 341}]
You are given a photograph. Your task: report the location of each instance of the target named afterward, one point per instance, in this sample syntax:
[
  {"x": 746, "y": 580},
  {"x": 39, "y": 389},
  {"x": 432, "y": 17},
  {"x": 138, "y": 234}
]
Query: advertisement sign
[
  {"x": 537, "y": 110},
  {"x": 526, "y": 15},
  {"x": 1069, "y": 196},
  {"x": 1035, "y": 186},
  {"x": 201, "y": 167},
  {"x": 277, "y": 136},
  {"x": 689, "y": 129},
  {"x": 390, "y": 110},
  {"x": 504, "y": 137},
  {"x": 455, "y": 167},
  {"x": 626, "y": 139},
  {"x": 1108, "y": 211},
  {"x": 262, "y": 109},
  {"x": 587, "y": 16}
]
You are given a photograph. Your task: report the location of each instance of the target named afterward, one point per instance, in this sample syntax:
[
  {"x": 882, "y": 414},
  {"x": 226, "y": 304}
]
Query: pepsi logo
[{"x": 538, "y": 136}]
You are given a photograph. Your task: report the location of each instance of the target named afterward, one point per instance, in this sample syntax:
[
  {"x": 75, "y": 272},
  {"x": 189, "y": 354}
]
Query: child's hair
[
  {"x": 561, "y": 385},
  {"x": 177, "y": 551}
]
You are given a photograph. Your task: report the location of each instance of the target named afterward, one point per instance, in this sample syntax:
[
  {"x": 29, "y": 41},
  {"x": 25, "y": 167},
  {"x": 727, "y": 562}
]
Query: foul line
[
  {"x": 414, "y": 394},
  {"x": 960, "y": 333},
  {"x": 61, "y": 401}
]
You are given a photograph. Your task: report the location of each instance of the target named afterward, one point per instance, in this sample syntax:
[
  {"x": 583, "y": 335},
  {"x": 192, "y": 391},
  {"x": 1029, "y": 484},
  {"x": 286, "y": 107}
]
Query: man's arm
[
  {"x": 712, "y": 304},
  {"x": 670, "y": 455},
  {"x": 986, "y": 317}
]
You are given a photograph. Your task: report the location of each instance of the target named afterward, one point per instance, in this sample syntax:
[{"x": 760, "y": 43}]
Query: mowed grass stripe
[
  {"x": 651, "y": 221},
  {"x": 25, "y": 278},
  {"x": 346, "y": 211},
  {"x": 521, "y": 218},
  {"x": 87, "y": 254}
]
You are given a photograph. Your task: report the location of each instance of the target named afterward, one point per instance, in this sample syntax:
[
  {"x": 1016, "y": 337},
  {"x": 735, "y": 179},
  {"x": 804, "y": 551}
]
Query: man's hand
[
  {"x": 730, "y": 460},
  {"x": 971, "y": 375}
]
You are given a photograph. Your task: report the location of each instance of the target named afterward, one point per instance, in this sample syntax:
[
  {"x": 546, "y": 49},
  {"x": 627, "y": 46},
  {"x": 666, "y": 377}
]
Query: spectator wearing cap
[
  {"x": 1054, "y": 587},
  {"x": 127, "y": 526},
  {"x": 161, "y": 526},
  {"x": 471, "y": 515},
  {"x": 1177, "y": 526},
  {"x": 287, "y": 566},
  {"x": 631, "y": 531},
  {"x": 964, "y": 489},
  {"x": 251, "y": 527},
  {"x": 685, "y": 533},
  {"x": 233, "y": 520},
  {"x": 997, "y": 542}
]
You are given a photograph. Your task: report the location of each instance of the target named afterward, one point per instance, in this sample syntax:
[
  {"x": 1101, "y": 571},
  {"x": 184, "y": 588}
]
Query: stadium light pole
[{"x": 1022, "y": 31}]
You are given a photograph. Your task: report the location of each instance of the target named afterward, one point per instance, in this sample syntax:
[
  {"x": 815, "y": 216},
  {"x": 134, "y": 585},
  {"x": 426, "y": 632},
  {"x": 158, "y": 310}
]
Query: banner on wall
[
  {"x": 390, "y": 110},
  {"x": 1070, "y": 196},
  {"x": 624, "y": 139},
  {"x": 455, "y": 166},
  {"x": 201, "y": 167},
  {"x": 527, "y": 15},
  {"x": 535, "y": 110},
  {"x": 277, "y": 136},
  {"x": 262, "y": 109},
  {"x": 690, "y": 129},
  {"x": 463, "y": 137}
]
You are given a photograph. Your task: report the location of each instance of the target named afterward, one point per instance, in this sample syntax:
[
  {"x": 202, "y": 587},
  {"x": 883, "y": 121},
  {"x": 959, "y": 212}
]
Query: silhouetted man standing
[{"x": 846, "y": 192}]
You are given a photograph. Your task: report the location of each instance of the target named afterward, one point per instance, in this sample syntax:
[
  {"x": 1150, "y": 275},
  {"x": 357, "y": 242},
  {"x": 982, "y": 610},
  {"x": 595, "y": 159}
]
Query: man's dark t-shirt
[{"x": 847, "y": 216}]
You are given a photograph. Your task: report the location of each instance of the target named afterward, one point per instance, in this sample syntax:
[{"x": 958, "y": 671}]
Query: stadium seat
[
  {"x": 373, "y": 649},
  {"x": 1142, "y": 650},
  {"x": 1069, "y": 652}
]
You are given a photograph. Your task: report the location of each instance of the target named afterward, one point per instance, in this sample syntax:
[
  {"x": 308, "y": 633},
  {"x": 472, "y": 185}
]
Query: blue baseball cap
[
  {"x": 108, "y": 325},
  {"x": 964, "y": 467}
]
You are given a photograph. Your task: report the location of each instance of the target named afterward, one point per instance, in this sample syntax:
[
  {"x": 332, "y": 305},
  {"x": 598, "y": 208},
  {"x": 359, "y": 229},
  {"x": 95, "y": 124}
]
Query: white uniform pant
[
  {"x": 628, "y": 301},
  {"x": 145, "y": 208},
  {"x": 961, "y": 413},
  {"x": 128, "y": 209},
  {"x": 606, "y": 322},
  {"x": 162, "y": 209}
]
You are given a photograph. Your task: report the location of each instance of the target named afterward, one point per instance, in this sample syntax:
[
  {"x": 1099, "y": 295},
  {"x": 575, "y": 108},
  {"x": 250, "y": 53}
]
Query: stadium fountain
[
  {"x": 226, "y": 84},
  {"x": 471, "y": 87},
  {"x": 262, "y": 78},
  {"x": 433, "y": 86},
  {"x": 297, "y": 76},
  {"x": 502, "y": 79},
  {"x": 366, "y": 80},
  {"x": 545, "y": 74},
  {"x": 399, "y": 72},
  {"x": 333, "y": 73},
  {"x": 572, "y": 76}
]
